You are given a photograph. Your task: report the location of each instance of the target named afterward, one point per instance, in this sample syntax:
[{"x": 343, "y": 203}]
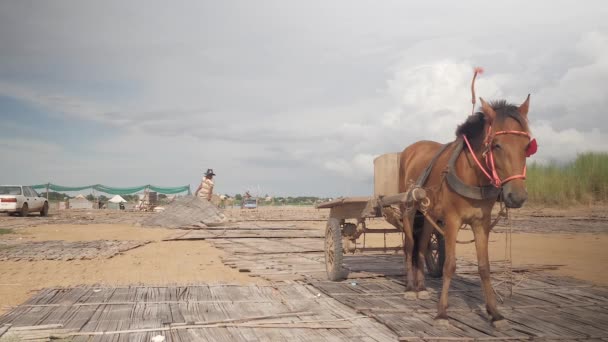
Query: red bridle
[{"x": 493, "y": 177}]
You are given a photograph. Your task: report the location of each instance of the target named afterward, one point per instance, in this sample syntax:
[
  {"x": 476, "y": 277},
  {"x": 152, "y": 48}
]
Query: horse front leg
[
  {"x": 449, "y": 267},
  {"x": 408, "y": 254},
  {"x": 481, "y": 232}
]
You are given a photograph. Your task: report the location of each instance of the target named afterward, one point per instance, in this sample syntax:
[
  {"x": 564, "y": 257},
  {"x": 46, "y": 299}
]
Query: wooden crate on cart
[{"x": 346, "y": 222}]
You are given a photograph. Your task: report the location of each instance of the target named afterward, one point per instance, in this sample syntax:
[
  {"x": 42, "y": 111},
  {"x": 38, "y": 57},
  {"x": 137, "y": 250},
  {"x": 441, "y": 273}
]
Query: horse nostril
[
  {"x": 510, "y": 197},
  {"x": 516, "y": 201}
]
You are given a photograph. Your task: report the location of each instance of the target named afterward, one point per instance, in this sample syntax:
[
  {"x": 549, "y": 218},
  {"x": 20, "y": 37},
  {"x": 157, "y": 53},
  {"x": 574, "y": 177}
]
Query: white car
[{"x": 22, "y": 199}]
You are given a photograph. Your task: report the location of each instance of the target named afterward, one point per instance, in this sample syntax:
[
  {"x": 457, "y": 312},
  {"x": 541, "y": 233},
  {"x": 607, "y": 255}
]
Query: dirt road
[
  {"x": 582, "y": 254},
  {"x": 157, "y": 263}
]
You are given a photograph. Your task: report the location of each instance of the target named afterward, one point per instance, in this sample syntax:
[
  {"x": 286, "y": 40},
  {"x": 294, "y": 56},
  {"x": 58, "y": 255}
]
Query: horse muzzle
[{"x": 515, "y": 199}]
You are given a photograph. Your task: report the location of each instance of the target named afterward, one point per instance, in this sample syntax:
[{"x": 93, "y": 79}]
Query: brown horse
[{"x": 463, "y": 190}]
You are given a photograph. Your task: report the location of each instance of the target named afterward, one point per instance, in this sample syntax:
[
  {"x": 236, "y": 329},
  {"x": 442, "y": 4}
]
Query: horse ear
[
  {"x": 487, "y": 110},
  {"x": 523, "y": 108}
]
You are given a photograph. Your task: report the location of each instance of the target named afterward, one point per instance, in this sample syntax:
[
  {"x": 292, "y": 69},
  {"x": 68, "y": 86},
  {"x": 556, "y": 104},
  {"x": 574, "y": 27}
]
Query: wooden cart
[{"x": 346, "y": 223}]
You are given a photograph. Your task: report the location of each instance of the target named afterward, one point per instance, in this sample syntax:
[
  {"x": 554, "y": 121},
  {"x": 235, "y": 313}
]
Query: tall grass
[
  {"x": 583, "y": 181},
  {"x": 6, "y": 231}
]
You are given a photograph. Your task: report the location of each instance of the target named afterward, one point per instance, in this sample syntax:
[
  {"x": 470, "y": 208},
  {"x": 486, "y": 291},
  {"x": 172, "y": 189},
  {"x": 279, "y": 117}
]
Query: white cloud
[
  {"x": 564, "y": 145},
  {"x": 437, "y": 86},
  {"x": 360, "y": 167},
  {"x": 432, "y": 98},
  {"x": 57, "y": 103},
  {"x": 578, "y": 98},
  {"x": 25, "y": 146},
  {"x": 301, "y": 97}
]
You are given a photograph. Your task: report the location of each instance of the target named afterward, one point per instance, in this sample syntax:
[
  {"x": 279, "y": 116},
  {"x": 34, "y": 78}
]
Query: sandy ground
[
  {"x": 157, "y": 263},
  {"x": 583, "y": 255},
  {"x": 580, "y": 255}
]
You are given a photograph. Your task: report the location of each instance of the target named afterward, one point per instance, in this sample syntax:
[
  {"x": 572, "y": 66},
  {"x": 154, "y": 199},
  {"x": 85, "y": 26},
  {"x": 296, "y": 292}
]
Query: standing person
[{"x": 205, "y": 189}]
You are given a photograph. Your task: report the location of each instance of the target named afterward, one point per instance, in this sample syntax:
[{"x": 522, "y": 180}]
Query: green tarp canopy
[{"x": 114, "y": 191}]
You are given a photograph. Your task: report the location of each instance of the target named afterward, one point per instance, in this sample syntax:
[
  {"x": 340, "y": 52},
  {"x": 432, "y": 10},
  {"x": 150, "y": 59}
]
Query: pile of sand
[{"x": 186, "y": 212}]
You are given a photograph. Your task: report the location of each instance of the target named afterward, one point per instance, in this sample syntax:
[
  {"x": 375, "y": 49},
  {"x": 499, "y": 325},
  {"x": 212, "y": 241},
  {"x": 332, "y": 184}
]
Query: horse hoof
[
  {"x": 441, "y": 323},
  {"x": 410, "y": 295},
  {"x": 424, "y": 295},
  {"x": 501, "y": 324}
]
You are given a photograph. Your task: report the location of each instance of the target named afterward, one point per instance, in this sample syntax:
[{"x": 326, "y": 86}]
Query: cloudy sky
[{"x": 282, "y": 97}]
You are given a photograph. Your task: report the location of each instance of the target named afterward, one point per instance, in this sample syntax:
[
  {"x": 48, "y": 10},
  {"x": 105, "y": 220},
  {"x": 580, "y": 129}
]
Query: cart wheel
[
  {"x": 333, "y": 251},
  {"x": 435, "y": 255},
  {"x": 45, "y": 209},
  {"x": 24, "y": 210}
]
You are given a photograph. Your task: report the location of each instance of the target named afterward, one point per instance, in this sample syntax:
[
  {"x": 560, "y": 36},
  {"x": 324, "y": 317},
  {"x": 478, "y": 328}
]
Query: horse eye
[{"x": 497, "y": 146}]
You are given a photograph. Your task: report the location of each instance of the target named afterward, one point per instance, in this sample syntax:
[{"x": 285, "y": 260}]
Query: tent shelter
[
  {"x": 80, "y": 202},
  {"x": 114, "y": 202},
  {"x": 117, "y": 199}
]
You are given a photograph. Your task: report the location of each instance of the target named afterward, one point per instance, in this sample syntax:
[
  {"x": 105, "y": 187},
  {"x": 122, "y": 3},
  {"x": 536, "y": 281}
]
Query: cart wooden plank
[
  {"x": 295, "y": 312},
  {"x": 343, "y": 200}
]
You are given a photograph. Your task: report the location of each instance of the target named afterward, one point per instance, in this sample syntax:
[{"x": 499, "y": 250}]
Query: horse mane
[{"x": 473, "y": 127}]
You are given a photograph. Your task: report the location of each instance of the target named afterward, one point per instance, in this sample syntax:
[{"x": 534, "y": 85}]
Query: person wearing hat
[{"x": 205, "y": 190}]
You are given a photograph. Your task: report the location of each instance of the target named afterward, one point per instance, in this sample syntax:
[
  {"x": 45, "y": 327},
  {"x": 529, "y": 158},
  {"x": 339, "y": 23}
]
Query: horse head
[{"x": 506, "y": 146}]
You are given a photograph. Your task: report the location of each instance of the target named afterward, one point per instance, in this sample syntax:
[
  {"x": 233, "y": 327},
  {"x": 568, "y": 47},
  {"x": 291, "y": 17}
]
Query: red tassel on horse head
[
  {"x": 532, "y": 148},
  {"x": 477, "y": 71}
]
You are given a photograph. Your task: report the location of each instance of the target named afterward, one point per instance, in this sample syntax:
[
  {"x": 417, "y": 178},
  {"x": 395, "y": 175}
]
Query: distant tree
[
  {"x": 238, "y": 197},
  {"x": 103, "y": 198},
  {"x": 130, "y": 197},
  {"x": 162, "y": 196},
  {"x": 90, "y": 197},
  {"x": 54, "y": 196}
]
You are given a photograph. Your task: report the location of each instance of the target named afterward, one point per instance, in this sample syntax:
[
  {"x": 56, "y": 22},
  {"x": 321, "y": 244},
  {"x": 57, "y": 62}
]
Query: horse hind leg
[
  {"x": 408, "y": 254},
  {"x": 449, "y": 267},
  {"x": 423, "y": 237}
]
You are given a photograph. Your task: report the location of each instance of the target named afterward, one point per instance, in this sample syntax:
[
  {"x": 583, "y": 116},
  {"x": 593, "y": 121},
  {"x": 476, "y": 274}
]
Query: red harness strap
[{"x": 493, "y": 175}]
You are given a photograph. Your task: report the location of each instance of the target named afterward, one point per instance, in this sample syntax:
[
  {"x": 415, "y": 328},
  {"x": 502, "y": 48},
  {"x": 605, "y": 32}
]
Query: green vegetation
[
  {"x": 6, "y": 231},
  {"x": 92, "y": 198},
  {"x": 583, "y": 181},
  {"x": 300, "y": 200},
  {"x": 135, "y": 197},
  {"x": 279, "y": 201},
  {"x": 55, "y": 196}
]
